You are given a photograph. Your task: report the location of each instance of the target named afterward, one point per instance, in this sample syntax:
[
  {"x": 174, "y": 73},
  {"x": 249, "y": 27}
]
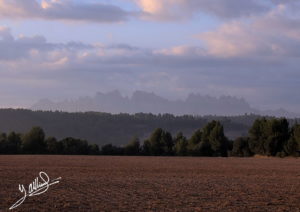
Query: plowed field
[{"x": 153, "y": 183}]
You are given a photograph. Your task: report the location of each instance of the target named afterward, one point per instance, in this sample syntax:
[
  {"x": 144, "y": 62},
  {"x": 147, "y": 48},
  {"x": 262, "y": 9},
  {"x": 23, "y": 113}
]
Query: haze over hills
[
  {"x": 118, "y": 129},
  {"x": 146, "y": 102}
]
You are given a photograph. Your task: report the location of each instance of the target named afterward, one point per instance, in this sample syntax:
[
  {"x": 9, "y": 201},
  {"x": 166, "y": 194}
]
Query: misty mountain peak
[{"x": 149, "y": 102}]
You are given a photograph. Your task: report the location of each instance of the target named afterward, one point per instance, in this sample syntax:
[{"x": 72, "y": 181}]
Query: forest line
[{"x": 270, "y": 137}]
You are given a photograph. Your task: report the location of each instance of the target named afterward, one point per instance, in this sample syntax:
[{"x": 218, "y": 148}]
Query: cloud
[
  {"x": 191, "y": 51},
  {"x": 255, "y": 55},
  {"x": 183, "y": 9},
  {"x": 63, "y": 10},
  {"x": 24, "y": 47},
  {"x": 275, "y": 33},
  {"x": 157, "y": 10}
]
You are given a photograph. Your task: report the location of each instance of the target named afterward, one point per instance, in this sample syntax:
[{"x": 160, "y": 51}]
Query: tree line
[
  {"x": 118, "y": 129},
  {"x": 270, "y": 137},
  {"x": 35, "y": 142}
]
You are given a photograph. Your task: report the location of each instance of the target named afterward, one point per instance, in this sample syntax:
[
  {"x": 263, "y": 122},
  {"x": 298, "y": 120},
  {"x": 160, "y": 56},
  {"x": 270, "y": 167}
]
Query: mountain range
[{"x": 146, "y": 102}]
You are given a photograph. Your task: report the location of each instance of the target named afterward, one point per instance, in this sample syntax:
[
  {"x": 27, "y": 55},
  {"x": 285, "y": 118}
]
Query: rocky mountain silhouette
[{"x": 146, "y": 102}]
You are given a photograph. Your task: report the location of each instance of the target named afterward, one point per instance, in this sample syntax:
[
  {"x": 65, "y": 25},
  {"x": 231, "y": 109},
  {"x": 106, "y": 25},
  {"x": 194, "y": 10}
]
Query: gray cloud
[
  {"x": 159, "y": 10},
  {"x": 66, "y": 10},
  {"x": 257, "y": 59},
  {"x": 231, "y": 8},
  {"x": 174, "y": 10},
  {"x": 25, "y": 47}
]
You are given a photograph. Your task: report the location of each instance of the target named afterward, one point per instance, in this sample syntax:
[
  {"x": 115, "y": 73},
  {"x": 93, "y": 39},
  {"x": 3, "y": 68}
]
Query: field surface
[{"x": 153, "y": 183}]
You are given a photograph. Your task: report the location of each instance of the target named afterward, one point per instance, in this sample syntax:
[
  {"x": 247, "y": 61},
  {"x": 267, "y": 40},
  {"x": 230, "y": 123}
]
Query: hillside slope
[{"x": 103, "y": 128}]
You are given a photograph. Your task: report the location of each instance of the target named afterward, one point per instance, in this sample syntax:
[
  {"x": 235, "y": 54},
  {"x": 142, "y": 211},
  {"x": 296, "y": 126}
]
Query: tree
[
  {"x": 53, "y": 147},
  {"x": 241, "y": 147},
  {"x": 156, "y": 143},
  {"x": 277, "y": 135},
  {"x": 213, "y": 141},
  {"x": 133, "y": 148},
  {"x": 72, "y": 146},
  {"x": 93, "y": 149},
  {"x": 14, "y": 142},
  {"x": 180, "y": 147},
  {"x": 146, "y": 149},
  {"x": 168, "y": 143},
  {"x": 217, "y": 140},
  {"x": 292, "y": 146},
  {"x": 209, "y": 141},
  {"x": 161, "y": 142},
  {"x": 3, "y": 143},
  {"x": 10, "y": 144},
  {"x": 109, "y": 149},
  {"x": 34, "y": 141},
  {"x": 193, "y": 147},
  {"x": 257, "y": 136},
  {"x": 204, "y": 149},
  {"x": 268, "y": 137}
]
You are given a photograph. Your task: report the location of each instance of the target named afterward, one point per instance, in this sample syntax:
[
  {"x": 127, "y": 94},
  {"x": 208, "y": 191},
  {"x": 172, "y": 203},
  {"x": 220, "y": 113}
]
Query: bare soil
[{"x": 98, "y": 183}]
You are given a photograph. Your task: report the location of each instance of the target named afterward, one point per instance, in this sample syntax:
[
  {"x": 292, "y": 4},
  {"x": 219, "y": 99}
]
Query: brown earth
[{"x": 153, "y": 183}]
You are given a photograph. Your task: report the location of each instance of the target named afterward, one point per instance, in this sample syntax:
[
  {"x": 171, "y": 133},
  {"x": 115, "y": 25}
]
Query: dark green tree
[
  {"x": 3, "y": 143},
  {"x": 268, "y": 137},
  {"x": 53, "y": 147},
  {"x": 180, "y": 145},
  {"x": 14, "y": 142},
  {"x": 209, "y": 141},
  {"x": 109, "y": 149},
  {"x": 292, "y": 146},
  {"x": 10, "y": 144},
  {"x": 257, "y": 136},
  {"x": 213, "y": 141},
  {"x": 161, "y": 143},
  {"x": 277, "y": 131},
  {"x": 72, "y": 146},
  {"x": 33, "y": 142},
  {"x": 217, "y": 140},
  {"x": 133, "y": 148},
  {"x": 156, "y": 142},
  {"x": 241, "y": 147},
  {"x": 168, "y": 143},
  {"x": 193, "y": 147},
  {"x": 93, "y": 149},
  {"x": 146, "y": 148}
]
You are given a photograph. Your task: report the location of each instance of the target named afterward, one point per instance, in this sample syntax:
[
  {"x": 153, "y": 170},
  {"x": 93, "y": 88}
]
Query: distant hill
[
  {"x": 103, "y": 128},
  {"x": 145, "y": 102}
]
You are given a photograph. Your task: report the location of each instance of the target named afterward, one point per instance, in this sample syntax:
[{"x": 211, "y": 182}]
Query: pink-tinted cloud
[
  {"x": 275, "y": 33},
  {"x": 184, "y": 9}
]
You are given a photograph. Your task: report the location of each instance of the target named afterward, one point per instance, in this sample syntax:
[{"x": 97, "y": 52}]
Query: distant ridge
[{"x": 146, "y": 102}]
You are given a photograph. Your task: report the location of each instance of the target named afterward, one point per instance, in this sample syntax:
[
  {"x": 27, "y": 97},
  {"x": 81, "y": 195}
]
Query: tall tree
[
  {"x": 241, "y": 147},
  {"x": 193, "y": 147},
  {"x": 133, "y": 148},
  {"x": 53, "y": 147},
  {"x": 292, "y": 146},
  {"x": 268, "y": 137},
  {"x": 14, "y": 142},
  {"x": 72, "y": 146},
  {"x": 258, "y": 136},
  {"x": 217, "y": 139},
  {"x": 181, "y": 144},
  {"x": 33, "y": 142},
  {"x": 161, "y": 142}
]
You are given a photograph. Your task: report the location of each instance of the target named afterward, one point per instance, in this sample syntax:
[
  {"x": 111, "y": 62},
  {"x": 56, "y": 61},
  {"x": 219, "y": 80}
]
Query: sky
[{"x": 60, "y": 49}]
